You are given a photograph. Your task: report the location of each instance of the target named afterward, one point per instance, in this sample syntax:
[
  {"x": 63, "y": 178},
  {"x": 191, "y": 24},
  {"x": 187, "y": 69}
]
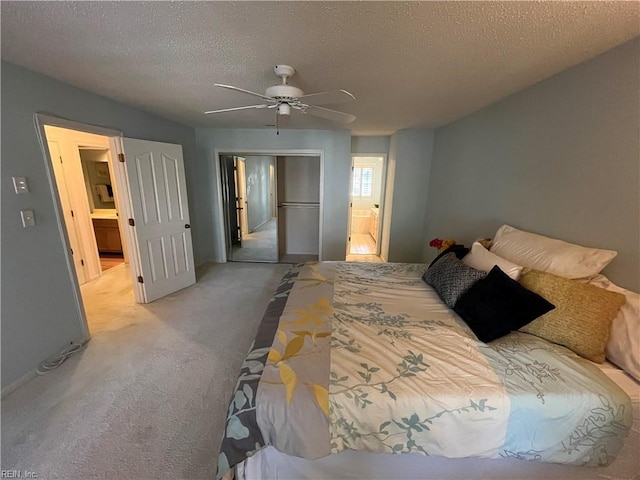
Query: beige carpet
[
  {"x": 109, "y": 302},
  {"x": 147, "y": 399},
  {"x": 259, "y": 246}
]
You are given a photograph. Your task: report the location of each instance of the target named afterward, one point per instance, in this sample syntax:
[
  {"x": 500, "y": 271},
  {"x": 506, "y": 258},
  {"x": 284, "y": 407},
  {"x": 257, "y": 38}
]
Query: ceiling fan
[{"x": 285, "y": 97}]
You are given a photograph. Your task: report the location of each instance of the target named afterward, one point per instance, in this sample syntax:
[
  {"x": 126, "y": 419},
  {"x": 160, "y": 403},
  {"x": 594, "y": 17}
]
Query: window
[{"x": 362, "y": 181}]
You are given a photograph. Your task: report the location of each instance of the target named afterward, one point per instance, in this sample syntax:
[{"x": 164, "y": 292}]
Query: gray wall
[
  {"x": 410, "y": 157},
  {"x": 258, "y": 194},
  {"x": 38, "y": 315},
  {"x": 336, "y": 145},
  {"x": 373, "y": 144},
  {"x": 560, "y": 158}
]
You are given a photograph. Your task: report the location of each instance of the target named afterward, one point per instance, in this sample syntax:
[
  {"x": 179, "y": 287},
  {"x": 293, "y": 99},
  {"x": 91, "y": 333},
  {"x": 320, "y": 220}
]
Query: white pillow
[
  {"x": 549, "y": 254},
  {"x": 623, "y": 348},
  {"x": 482, "y": 259}
]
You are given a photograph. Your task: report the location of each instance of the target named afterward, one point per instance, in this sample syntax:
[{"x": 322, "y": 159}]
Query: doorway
[
  {"x": 148, "y": 191},
  {"x": 365, "y": 206},
  {"x": 87, "y": 188},
  {"x": 248, "y": 187},
  {"x": 102, "y": 206},
  {"x": 271, "y": 205}
]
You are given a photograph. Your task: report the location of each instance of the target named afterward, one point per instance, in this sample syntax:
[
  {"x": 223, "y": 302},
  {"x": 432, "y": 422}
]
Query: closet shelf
[{"x": 299, "y": 205}]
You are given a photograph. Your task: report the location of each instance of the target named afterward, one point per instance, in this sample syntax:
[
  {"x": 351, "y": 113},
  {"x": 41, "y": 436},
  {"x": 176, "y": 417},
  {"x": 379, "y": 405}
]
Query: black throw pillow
[
  {"x": 459, "y": 250},
  {"x": 496, "y": 305},
  {"x": 451, "y": 278}
]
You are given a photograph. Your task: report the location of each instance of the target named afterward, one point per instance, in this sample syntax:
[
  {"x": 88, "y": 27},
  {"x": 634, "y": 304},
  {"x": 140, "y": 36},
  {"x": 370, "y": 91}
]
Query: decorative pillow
[
  {"x": 451, "y": 278},
  {"x": 549, "y": 254},
  {"x": 459, "y": 250},
  {"x": 582, "y": 318},
  {"x": 496, "y": 305},
  {"x": 482, "y": 259},
  {"x": 623, "y": 348}
]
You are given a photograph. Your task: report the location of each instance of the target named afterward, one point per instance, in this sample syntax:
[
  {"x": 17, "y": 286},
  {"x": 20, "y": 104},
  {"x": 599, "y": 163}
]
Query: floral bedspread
[{"x": 366, "y": 357}]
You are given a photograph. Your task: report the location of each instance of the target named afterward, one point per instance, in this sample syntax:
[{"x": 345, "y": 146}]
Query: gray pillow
[{"x": 451, "y": 278}]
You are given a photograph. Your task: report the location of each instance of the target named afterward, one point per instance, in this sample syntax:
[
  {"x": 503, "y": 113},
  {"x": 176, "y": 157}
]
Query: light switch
[
  {"x": 20, "y": 184},
  {"x": 28, "y": 218}
]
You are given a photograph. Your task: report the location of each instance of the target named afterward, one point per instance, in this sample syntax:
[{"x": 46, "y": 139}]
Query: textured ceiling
[{"x": 409, "y": 64}]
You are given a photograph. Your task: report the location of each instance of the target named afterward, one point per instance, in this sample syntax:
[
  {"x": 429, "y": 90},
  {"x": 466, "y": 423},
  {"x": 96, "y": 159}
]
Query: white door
[
  {"x": 161, "y": 216},
  {"x": 241, "y": 193},
  {"x": 67, "y": 208}
]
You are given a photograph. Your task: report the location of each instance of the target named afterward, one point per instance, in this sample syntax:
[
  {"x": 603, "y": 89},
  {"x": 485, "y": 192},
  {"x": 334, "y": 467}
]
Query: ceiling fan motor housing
[{"x": 284, "y": 92}]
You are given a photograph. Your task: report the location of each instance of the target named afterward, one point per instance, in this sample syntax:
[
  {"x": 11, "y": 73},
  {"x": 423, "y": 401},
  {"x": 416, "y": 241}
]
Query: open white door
[
  {"x": 158, "y": 191},
  {"x": 241, "y": 192},
  {"x": 69, "y": 217}
]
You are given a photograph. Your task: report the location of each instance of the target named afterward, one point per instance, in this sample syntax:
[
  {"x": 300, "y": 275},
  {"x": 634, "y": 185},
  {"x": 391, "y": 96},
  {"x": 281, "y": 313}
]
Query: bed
[{"x": 356, "y": 363}]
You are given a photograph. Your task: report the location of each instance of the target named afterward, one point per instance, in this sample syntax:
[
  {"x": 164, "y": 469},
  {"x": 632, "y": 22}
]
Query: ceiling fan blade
[
  {"x": 238, "y": 108},
  {"x": 329, "y": 114},
  {"x": 327, "y": 98},
  {"x": 231, "y": 87}
]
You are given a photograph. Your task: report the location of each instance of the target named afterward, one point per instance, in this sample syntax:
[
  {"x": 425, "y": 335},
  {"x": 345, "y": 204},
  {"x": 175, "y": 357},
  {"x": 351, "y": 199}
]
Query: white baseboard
[
  {"x": 32, "y": 374},
  {"x": 17, "y": 384},
  {"x": 260, "y": 224}
]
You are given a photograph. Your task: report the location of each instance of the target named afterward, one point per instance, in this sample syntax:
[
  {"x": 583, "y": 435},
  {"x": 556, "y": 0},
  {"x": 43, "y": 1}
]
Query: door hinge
[
  {"x": 82, "y": 262},
  {"x": 121, "y": 157},
  {"x": 60, "y": 159},
  {"x": 72, "y": 215},
  {"x": 132, "y": 222},
  {"x": 71, "y": 251},
  {"x": 140, "y": 279}
]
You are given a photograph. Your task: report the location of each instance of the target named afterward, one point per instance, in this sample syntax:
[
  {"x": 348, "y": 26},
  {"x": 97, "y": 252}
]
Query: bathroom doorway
[
  {"x": 83, "y": 171},
  {"x": 86, "y": 184},
  {"x": 365, "y": 206},
  {"x": 142, "y": 187}
]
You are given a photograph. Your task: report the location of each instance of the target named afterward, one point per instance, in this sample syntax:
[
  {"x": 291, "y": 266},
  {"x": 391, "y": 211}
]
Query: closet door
[{"x": 299, "y": 205}]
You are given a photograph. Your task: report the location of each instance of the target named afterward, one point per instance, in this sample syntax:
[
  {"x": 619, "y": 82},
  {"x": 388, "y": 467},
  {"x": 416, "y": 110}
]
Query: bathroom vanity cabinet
[{"x": 107, "y": 235}]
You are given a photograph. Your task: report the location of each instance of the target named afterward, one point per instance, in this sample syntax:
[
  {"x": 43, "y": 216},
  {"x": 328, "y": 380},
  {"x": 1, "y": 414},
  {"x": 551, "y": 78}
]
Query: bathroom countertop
[{"x": 113, "y": 215}]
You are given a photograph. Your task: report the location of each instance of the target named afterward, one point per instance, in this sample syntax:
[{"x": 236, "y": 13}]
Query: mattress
[
  {"x": 355, "y": 363},
  {"x": 272, "y": 464}
]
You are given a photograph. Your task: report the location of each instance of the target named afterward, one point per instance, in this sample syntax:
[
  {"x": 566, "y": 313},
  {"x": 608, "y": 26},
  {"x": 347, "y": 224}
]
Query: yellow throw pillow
[{"x": 582, "y": 318}]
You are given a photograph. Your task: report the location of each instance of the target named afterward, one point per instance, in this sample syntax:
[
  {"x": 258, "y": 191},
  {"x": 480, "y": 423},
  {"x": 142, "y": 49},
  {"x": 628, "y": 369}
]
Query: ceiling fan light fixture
[
  {"x": 284, "y": 109},
  {"x": 284, "y": 97}
]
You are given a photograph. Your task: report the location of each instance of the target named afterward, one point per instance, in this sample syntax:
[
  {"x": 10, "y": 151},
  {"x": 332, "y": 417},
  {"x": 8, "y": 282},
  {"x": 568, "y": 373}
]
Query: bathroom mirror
[{"x": 97, "y": 179}]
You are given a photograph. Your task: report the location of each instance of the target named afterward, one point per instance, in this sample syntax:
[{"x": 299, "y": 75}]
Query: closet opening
[
  {"x": 248, "y": 185},
  {"x": 271, "y": 205}
]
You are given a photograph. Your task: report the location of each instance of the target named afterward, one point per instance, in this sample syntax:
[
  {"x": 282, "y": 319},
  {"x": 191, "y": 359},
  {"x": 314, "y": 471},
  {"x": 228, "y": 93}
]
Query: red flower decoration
[{"x": 436, "y": 243}]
